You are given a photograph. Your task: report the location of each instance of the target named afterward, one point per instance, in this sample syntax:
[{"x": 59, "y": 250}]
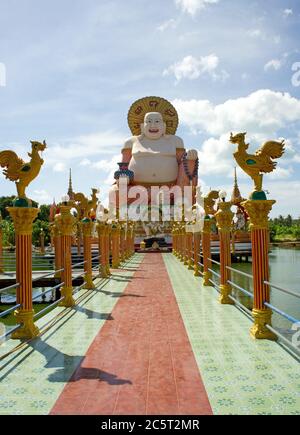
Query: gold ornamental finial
[
  {"x": 256, "y": 164},
  {"x": 20, "y": 172}
]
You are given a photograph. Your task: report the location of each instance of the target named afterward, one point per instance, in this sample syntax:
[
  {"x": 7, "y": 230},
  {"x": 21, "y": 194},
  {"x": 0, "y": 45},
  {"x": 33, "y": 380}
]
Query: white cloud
[
  {"x": 61, "y": 155},
  {"x": 255, "y": 33},
  {"x": 41, "y": 197},
  {"x": 262, "y": 114},
  {"x": 287, "y": 12},
  {"x": 169, "y": 24},
  {"x": 264, "y": 36},
  {"x": 281, "y": 173},
  {"x": 85, "y": 162},
  {"x": 192, "y": 68},
  {"x": 193, "y": 6},
  {"x": 275, "y": 64},
  {"x": 59, "y": 167},
  {"x": 286, "y": 194}
]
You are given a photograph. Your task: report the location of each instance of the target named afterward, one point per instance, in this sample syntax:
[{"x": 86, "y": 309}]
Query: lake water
[{"x": 284, "y": 272}]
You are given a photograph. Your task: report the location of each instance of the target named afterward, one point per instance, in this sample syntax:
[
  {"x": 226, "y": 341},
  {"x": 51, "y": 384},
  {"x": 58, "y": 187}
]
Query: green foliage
[
  {"x": 8, "y": 233},
  {"x": 42, "y": 222},
  {"x": 5, "y": 201},
  {"x": 44, "y": 214},
  {"x": 38, "y": 225},
  {"x": 285, "y": 228}
]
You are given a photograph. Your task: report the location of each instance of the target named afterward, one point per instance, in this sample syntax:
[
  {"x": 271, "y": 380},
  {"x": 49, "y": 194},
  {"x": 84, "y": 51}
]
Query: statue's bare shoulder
[
  {"x": 129, "y": 142},
  {"x": 179, "y": 142}
]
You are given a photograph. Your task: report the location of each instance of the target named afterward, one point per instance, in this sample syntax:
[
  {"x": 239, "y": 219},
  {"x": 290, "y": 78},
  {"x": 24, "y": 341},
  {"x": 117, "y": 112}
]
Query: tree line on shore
[{"x": 285, "y": 228}]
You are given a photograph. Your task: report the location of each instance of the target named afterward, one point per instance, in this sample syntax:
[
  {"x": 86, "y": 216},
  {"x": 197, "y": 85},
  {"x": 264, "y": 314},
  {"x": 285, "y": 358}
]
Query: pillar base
[
  {"x": 28, "y": 329},
  {"x": 116, "y": 265},
  {"x": 259, "y": 331},
  {"x": 89, "y": 285},
  {"x": 206, "y": 277},
  {"x": 224, "y": 298},
  {"x": 190, "y": 265},
  {"x": 197, "y": 271},
  {"x": 103, "y": 272},
  {"x": 68, "y": 301}
]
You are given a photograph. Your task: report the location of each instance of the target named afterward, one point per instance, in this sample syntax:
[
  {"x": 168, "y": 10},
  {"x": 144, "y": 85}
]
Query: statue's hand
[{"x": 192, "y": 155}]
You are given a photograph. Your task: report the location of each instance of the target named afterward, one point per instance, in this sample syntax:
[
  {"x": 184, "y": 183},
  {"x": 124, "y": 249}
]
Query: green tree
[
  {"x": 8, "y": 232},
  {"x": 5, "y": 201},
  {"x": 289, "y": 221},
  {"x": 38, "y": 225},
  {"x": 44, "y": 214}
]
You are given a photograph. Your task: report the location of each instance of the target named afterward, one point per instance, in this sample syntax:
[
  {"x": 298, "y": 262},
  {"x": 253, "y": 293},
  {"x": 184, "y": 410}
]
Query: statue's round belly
[{"x": 154, "y": 169}]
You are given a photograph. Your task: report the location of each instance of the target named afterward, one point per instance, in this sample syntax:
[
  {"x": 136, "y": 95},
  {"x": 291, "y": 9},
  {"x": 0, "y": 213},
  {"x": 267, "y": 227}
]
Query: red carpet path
[{"x": 141, "y": 362}]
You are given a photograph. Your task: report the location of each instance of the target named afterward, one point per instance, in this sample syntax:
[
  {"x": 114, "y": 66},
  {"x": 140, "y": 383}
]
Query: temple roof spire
[
  {"x": 70, "y": 190},
  {"x": 236, "y": 197}
]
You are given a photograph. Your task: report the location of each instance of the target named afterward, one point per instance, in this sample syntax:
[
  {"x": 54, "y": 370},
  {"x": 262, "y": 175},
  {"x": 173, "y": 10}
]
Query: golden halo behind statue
[{"x": 145, "y": 105}]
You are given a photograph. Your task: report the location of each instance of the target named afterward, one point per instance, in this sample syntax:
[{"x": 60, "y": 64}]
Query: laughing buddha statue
[{"x": 154, "y": 155}]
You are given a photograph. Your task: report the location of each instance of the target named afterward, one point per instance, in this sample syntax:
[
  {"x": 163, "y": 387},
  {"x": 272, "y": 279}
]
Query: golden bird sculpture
[
  {"x": 210, "y": 201},
  {"x": 83, "y": 205},
  {"x": 255, "y": 165},
  {"x": 20, "y": 172}
]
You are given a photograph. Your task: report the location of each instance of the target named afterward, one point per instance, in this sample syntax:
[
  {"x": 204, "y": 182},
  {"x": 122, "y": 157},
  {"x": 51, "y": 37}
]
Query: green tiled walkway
[
  {"x": 241, "y": 376},
  {"x": 32, "y": 378}
]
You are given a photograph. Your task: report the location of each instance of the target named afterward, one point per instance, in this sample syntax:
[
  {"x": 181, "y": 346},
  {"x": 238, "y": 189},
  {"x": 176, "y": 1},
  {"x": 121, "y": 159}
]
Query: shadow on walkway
[{"x": 69, "y": 367}]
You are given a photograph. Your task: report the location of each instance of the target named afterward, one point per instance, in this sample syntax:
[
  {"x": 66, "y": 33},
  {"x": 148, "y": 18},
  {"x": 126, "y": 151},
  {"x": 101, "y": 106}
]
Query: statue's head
[{"x": 154, "y": 126}]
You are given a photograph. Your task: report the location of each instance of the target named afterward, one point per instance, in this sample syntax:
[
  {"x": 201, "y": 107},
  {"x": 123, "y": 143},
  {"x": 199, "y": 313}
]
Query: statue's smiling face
[{"x": 154, "y": 126}]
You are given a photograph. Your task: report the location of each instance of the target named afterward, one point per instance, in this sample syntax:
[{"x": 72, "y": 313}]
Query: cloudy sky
[{"x": 72, "y": 68}]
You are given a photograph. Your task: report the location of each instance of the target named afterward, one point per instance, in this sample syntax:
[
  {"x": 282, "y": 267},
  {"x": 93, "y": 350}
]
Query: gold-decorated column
[
  {"x": 87, "y": 229},
  {"x": 115, "y": 240},
  {"x": 197, "y": 243},
  {"x": 206, "y": 251},
  {"x": 23, "y": 218},
  {"x": 190, "y": 252},
  {"x": 57, "y": 249},
  {"x": 174, "y": 240},
  {"x": 66, "y": 224},
  {"x": 183, "y": 243},
  {"x": 107, "y": 249},
  {"x": 101, "y": 229},
  {"x": 224, "y": 218},
  {"x": 79, "y": 238},
  {"x": 1, "y": 246},
  {"x": 258, "y": 211},
  {"x": 122, "y": 243}
]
